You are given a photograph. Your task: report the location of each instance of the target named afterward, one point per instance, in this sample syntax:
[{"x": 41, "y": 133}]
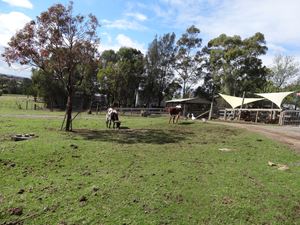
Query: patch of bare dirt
[{"x": 285, "y": 134}]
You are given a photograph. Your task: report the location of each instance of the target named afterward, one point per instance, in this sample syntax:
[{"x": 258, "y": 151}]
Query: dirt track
[{"x": 286, "y": 134}]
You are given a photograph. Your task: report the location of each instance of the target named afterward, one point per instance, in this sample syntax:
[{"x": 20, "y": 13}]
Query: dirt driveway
[{"x": 286, "y": 134}]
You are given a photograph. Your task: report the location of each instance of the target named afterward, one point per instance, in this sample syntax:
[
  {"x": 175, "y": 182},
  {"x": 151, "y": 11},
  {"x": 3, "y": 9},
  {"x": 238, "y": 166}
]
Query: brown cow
[{"x": 175, "y": 113}]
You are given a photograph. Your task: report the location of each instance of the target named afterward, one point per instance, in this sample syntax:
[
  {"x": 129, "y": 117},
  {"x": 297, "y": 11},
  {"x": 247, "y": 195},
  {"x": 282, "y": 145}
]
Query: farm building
[{"x": 197, "y": 106}]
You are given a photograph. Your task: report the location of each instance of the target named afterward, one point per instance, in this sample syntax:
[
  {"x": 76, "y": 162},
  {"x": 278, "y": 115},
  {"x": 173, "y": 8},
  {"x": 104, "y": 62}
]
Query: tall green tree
[
  {"x": 189, "y": 59},
  {"x": 108, "y": 75},
  {"x": 27, "y": 87},
  {"x": 47, "y": 87},
  {"x": 60, "y": 44},
  {"x": 120, "y": 74},
  {"x": 131, "y": 68},
  {"x": 159, "y": 72},
  {"x": 234, "y": 64}
]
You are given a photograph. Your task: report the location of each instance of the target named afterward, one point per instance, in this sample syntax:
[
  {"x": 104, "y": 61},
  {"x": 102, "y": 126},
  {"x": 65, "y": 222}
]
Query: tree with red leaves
[{"x": 59, "y": 44}]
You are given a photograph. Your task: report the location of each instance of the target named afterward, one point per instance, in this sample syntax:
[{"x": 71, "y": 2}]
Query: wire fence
[
  {"x": 136, "y": 111},
  {"x": 21, "y": 103}
]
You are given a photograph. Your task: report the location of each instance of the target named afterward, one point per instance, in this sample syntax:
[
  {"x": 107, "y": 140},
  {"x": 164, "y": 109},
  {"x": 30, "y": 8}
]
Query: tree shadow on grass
[
  {"x": 133, "y": 136},
  {"x": 186, "y": 123}
]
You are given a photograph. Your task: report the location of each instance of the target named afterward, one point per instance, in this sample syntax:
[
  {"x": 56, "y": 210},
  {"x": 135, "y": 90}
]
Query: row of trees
[
  {"x": 182, "y": 68},
  {"x": 62, "y": 48},
  {"x": 12, "y": 85}
]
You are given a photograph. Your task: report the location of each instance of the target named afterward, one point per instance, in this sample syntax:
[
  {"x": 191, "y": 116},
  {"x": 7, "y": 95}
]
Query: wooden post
[
  {"x": 242, "y": 105},
  {"x": 211, "y": 106},
  {"x": 281, "y": 116},
  {"x": 225, "y": 114},
  {"x": 256, "y": 117},
  {"x": 35, "y": 100}
]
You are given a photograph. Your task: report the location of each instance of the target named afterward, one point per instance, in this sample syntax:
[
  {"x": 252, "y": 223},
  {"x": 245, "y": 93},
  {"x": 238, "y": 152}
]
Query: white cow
[{"x": 112, "y": 116}]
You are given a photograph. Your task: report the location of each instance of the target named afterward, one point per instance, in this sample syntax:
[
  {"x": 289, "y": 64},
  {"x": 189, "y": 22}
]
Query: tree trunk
[
  {"x": 69, "y": 113},
  {"x": 183, "y": 90}
]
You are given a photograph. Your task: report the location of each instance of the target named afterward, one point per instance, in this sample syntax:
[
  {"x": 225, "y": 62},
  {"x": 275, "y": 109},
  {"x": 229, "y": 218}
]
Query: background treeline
[
  {"x": 15, "y": 85},
  {"x": 171, "y": 68}
]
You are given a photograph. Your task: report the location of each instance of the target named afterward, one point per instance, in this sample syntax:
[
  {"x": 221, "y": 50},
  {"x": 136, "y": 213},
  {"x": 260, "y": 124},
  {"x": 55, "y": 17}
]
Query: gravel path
[{"x": 286, "y": 134}]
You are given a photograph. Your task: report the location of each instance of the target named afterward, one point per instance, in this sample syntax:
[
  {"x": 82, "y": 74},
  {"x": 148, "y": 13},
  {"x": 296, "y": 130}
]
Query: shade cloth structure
[
  {"x": 237, "y": 101},
  {"x": 276, "y": 97},
  {"x": 189, "y": 100}
]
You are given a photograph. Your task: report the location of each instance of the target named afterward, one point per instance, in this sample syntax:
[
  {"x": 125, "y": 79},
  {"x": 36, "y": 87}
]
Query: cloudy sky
[{"x": 135, "y": 23}]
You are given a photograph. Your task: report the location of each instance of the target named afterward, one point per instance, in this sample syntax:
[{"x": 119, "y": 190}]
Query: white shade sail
[
  {"x": 237, "y": 101},
  {"x": 276, "y": 97}
]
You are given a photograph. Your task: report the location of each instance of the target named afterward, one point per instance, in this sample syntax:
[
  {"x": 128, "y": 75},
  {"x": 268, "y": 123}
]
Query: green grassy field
[
  {"x": 17, "y": 104},
  {"x": 150, "y": 172}
]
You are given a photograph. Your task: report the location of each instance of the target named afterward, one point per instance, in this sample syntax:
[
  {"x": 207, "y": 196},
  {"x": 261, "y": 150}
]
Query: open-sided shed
[
  {"x": 239, "y": 107},
  {"x": 197, "y": 106}
]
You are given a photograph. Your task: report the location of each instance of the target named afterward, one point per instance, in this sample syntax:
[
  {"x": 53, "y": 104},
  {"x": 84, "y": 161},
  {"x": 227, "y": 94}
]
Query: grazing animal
[
  {"x": 112, "y": 117},
  {"x": 175, "y": 113}
]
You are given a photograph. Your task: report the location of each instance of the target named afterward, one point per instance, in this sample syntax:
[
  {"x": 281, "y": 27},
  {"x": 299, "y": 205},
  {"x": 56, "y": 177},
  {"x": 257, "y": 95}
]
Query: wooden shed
[{"x": 197, "y": 106}]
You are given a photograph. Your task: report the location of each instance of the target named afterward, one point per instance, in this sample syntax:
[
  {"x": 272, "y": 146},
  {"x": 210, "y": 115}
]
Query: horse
[
  {"x": 175, "y": 113},
  {"x": 112, "y": 117}
]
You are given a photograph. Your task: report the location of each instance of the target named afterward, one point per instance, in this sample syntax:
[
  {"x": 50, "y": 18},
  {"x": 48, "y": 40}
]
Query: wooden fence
[
  {"x": 20, "y": 102},
  {"x": 137, "y": 111}
]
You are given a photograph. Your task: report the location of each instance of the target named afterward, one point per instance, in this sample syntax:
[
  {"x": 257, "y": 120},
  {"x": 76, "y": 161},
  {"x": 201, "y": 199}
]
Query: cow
[
  {"x": 175, "y": 113},
  {"x": 112, "y": 117}
]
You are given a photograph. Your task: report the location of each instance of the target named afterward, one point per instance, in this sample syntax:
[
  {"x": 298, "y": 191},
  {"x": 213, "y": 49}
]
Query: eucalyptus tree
[
  {"x": 108, "y": 75},
  {"x": 59, "y": 43},
  {"x": 120, "y": 74},
  {"x": 188, "y": 58},
  {"x": 284, "y": 70},
  {"x": 159, "y": 71},
  {"x": 131, "y": 68},
  {"x": 234, "y": 63}
]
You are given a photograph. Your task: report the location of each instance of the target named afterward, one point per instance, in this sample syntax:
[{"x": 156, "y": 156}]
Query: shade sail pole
[{"x": 242, "y": 106}]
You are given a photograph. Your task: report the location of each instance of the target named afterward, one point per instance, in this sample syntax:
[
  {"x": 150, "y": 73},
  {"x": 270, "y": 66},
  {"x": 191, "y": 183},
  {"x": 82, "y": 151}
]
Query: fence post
[
  {"x": 256, "y": 117},
  {"x": 281, "y": 118}
]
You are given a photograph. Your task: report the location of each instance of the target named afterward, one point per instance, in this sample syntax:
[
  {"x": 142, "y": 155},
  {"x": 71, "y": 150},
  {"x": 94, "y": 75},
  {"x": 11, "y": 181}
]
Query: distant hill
[
  {"x": 10, "y": 84},
  {"x": 11, "y": 77}
]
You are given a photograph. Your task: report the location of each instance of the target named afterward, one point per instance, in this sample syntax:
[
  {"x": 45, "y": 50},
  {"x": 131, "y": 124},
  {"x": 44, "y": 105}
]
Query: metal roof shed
[{"x": 191, "y": 105}]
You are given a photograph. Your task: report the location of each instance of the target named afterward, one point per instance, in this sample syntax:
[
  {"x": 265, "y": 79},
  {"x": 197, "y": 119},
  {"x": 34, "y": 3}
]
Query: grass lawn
[
  {"x": 148, "y": 173},
  {"x": 19, "y": 103}
]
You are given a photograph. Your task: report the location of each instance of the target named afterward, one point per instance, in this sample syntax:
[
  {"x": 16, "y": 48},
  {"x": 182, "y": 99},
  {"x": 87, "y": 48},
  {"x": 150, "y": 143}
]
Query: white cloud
[
  {"x": 15, "y": 69},
  {"x": 125, "y": 41},
  {"x": 137, "y": 16},
  {"x": 123, "y": 24},
  {"x": 9, "y": 24},
  {"x": 276, "y": 48},
  {"x": 121, "y": 41},
  {"x": 19, "y": 3},
  {"x": 277, "y": 19}
]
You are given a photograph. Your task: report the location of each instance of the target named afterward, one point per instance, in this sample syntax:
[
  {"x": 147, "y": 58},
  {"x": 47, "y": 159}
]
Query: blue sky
[{"x": 135, "y": 23}]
